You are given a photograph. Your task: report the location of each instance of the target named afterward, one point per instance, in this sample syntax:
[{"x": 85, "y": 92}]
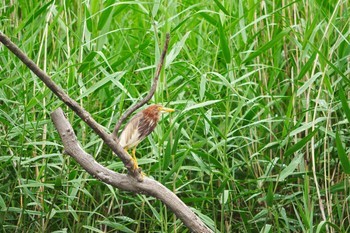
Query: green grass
[{"x": 261, "y": 142}]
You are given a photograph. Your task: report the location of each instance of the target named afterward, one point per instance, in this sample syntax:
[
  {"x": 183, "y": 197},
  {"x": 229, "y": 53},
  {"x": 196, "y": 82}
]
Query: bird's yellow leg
[
  {"x": 134, "y": 158},
  {"x": 136, "y": 166}
]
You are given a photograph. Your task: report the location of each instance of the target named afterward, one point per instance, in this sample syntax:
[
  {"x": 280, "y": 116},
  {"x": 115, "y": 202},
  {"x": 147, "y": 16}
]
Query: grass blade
[
  {"x": 290, "y": 168},
  {"x": 344, "y": 159},
  {"x": 344, "y": 103},
  {"x": 300, "y": 144}
]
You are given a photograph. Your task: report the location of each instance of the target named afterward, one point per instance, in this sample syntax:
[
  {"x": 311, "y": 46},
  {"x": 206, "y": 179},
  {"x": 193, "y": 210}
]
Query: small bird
[{"x": 139, "y": 127}]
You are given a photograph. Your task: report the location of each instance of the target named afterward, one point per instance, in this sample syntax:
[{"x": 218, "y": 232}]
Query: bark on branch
[
  {"x": 80, "y": 111},
  {"x": 123, "y": 182}
]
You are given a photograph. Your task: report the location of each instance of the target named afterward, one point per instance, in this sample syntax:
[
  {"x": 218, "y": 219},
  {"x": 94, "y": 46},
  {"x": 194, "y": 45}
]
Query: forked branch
[
  {"x": 123, "y": 182},
  {"x": 80, "y": 111}
]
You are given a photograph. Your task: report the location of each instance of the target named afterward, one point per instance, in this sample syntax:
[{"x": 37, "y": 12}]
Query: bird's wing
[{"x": 130, "y": 134}]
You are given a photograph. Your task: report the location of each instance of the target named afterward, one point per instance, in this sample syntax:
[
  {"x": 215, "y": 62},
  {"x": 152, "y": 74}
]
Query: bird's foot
[
  {"x": 136, "y": 166},
  {"x": 139, "y": 170}
]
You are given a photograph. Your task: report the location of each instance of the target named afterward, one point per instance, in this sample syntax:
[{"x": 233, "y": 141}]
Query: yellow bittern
[{"x": 139, "y": 127}]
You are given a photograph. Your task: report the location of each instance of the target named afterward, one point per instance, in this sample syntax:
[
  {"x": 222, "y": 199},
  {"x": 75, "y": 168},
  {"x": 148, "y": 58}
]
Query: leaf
[
  {"x": 92, "y": 229},
  {"x": 35, "y": 184},
  {"x": 225, "y": 82},
  {"x": 2, "y": 204},
  {"x": 344, "y": 160},
  {"x": 290, "y": 168},
  {"x": 306, "y": 126},
  {"x": 34, "y": 15},
  {"x": 206, "y": 219},
  {"x": 209, "y": 19},
  {"x": 201, "y": 105},
  {"x": 88, "y": 60},
  {"x": 202, "y": 86},
  {"x": 222, "y": 7},
  {"x": 176, "y": 167},
  {"x": 155, "y": 8},
  {"x": 100, "y": 83},
  {"x": 300, "y": 144},
  {"x": 266, "y": 229},
  {"x": 269, "y": 195},
  {"x": 224, "y": 44},
  {"x": 176, "y": 50},
  {"x": 276, "y": 39},
  {"x": 118, "y": 227},
  {"x": 9, "y": 80},
  {"x": 223, "y": 197},
  {"x": 208, "y": 120},
  {"x": 105, "y": 15},
  {"x": 321, "y": 226},
  {"x": 204, "y": 167},
  {"x": 344, "y": 103},
  {"x": 335, "y": 68},
  {"x": 308, "y": 83},
  {"x": 242, "y": 22},
  {"x": 307, "y": 66},
  {"x": 88, "y": 19}
]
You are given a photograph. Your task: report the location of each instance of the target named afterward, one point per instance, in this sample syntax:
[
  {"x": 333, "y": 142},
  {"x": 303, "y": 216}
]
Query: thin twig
[
  {"x": 81, "y": 112},
  {"x": 149, "y": 95}
]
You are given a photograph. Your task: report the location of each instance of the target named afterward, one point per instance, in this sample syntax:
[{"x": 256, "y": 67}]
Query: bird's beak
[{"x": 167, "y": 109}]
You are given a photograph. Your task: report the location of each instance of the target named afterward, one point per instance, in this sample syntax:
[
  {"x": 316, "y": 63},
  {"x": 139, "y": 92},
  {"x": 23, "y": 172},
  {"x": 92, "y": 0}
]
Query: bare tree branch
[
  {"x": 149, "y": 95},
  {"x": 124, "y": 182},
  {"x": 81, "y": 112}
]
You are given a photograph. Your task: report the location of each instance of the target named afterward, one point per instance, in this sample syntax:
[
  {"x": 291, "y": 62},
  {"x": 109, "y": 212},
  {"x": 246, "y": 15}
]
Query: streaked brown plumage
[{"x": 139, "y": 127}]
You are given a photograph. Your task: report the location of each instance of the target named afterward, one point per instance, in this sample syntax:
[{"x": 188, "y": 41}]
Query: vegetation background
[{"x": 261, "y": 142}]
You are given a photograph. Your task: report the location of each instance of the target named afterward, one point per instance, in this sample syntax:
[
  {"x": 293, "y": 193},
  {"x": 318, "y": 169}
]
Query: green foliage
[{"x": 262, "y": 89}]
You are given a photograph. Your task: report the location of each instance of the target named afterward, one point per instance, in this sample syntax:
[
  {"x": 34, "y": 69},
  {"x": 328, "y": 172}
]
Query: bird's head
[
  {"x": 154, "y": 111},
  {"x": 157, "y": 108},
  {"x": 161, "y": 109}
]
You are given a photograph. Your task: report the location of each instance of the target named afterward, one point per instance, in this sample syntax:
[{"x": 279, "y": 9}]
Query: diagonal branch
[
  {"x": 121, "y": 181},
  {"x": 81, "y": 112},
  {"x": 149, "y": 95}
]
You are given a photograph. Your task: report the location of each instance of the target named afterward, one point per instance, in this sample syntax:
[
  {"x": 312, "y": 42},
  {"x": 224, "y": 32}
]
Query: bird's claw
[{"x": 139, "y": 170}]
